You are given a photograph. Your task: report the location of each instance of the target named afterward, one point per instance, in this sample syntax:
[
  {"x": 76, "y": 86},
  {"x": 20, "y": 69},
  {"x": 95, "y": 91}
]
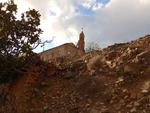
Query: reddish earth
[{"x": 116, "y": 81}]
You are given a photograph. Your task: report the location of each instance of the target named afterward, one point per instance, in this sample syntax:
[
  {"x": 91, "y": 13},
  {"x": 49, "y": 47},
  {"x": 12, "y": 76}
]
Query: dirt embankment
[{"x": 112, "y": 80}]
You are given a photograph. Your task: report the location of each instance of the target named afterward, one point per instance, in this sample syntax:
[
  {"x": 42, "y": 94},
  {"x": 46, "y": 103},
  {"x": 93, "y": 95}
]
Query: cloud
[
  {"x": 97, "y": 6},
  {"x": 119, "y": 21},
  {"x": 86, "y": 3},
  {"x": 144, "y": 1},
  {"x": 107, "y": 23}
]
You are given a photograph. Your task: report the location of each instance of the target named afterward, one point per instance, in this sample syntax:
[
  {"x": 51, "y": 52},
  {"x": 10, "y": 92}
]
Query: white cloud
[
  {"x": 117, "y": 21},
  {"x": 124, "y": 20},
  {"x": 97, "y": 6},
  {"x": 86, "y": 3}
]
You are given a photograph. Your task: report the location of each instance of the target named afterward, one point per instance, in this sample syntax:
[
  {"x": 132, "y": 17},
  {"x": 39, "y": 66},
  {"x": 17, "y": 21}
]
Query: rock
[
  {"x": 50, "y": 65},
  {"x": 129, "y": 106},
  {"x": 124, "y": 90},
  {"x": 43, "y": 93},
  {"x": 87, "y": 105},
  {"x": 43, "y": 83},
  {"x": 147, "y": 107},
  {"x": 117, "y": 68},
  {"x": 121, "y": 102},
  {"x": 145, "y": 92},
  {"x": 116, "y": 85},
  {"x": 133, "y": 110},
  {"x": 45, "y": 107},
  {"x": 108, "y": 62},
  {"x": 133, "y": 96},
  {"x": 127, "y": 100},
  {"x": 118, "y": 107},
  {"x": 142, "y": 54},
  {"x": 80, "y": 98},
  {"x": 99, "y": 103},
  {"x": 88, "y": 109},
  {"x": 35, "y": 89},
  {"x": 53, "y": 103},
  {"x": 105, "y": 84},
  {"x": 120, "y": 79},
  {"x": 148, "y": 98},
  {"x": 89, "y": 101},
  {"x": 86, "y": 95},
  {"x": 35, "y": 78},
  {"x": 127, "y": 69},
  {"x": 126, "y": 97},
  {"x": 142, "y": 100},
  {"x": 120, "y": 62},
  {"x": 28, "y": 94},
  {"x": 136, "y": 104},
  {"x": 144, "y": 111},
  {"x": 104, "y": 110},
  {"x": 95, "y": 111},
  {"x": 8, "y": 97},
  {"x": 101, "y": 70},
  {"x": 139, "y": 96},
  {"x": 111, "y": 102}
]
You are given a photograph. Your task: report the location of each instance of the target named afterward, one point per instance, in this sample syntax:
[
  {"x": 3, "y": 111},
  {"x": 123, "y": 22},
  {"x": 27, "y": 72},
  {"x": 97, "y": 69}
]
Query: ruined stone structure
[{"x": 67, "y": 49}]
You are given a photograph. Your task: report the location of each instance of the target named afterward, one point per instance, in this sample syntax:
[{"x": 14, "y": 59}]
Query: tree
[
  {"x": 18, "y": 38},
  {"x": 92, "y": 47}
]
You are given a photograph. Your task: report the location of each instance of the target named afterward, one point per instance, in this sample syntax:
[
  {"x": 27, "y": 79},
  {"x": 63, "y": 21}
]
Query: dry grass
[
  {"x": 88, "y": 85},
  {"x": 146, "y": 86},
  {"x": 95, "y": 62}
]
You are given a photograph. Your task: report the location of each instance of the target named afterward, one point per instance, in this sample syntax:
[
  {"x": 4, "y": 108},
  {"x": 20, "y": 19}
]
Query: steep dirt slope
[{"x": 115, "y": 79}]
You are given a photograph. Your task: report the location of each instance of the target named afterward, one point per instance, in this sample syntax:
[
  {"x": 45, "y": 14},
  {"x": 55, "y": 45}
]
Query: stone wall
[{"x": 68, "y": 49}]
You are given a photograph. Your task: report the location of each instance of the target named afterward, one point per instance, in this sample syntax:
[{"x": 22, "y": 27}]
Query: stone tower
[{"x": 81, "y": 42}]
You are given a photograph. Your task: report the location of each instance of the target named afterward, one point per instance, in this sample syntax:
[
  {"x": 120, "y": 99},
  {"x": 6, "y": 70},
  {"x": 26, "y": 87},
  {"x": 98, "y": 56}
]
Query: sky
[{"x": 104, "y": 22}]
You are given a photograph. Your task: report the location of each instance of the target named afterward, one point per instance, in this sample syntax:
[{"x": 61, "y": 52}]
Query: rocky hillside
[{"x": 115, "y": 79}]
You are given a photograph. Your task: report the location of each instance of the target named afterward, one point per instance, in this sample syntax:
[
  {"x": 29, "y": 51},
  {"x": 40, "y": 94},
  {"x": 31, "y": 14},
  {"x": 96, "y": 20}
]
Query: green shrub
[{"x": 18, "y": 38}]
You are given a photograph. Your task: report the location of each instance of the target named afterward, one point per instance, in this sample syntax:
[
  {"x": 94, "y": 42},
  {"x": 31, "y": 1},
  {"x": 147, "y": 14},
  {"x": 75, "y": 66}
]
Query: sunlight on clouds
[
  {"x": 54, "y": 8},
  {"x": 60, "y": 9},
  {"x": 48, "y": 31},
  {"x": 73, "y": 31},
  {"x": 74, "y": 36},
  {"x": 22, "y": 7},
  {"x": 59, "y": 40}
]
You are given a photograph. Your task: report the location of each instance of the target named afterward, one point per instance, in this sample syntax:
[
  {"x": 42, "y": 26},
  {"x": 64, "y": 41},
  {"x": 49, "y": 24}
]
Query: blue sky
[{"x": 104, "y": 22}]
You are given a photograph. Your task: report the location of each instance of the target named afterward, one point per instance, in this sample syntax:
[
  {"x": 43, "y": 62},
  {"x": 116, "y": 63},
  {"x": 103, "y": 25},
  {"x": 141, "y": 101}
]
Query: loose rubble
[{"x": 118, "y": 84}]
